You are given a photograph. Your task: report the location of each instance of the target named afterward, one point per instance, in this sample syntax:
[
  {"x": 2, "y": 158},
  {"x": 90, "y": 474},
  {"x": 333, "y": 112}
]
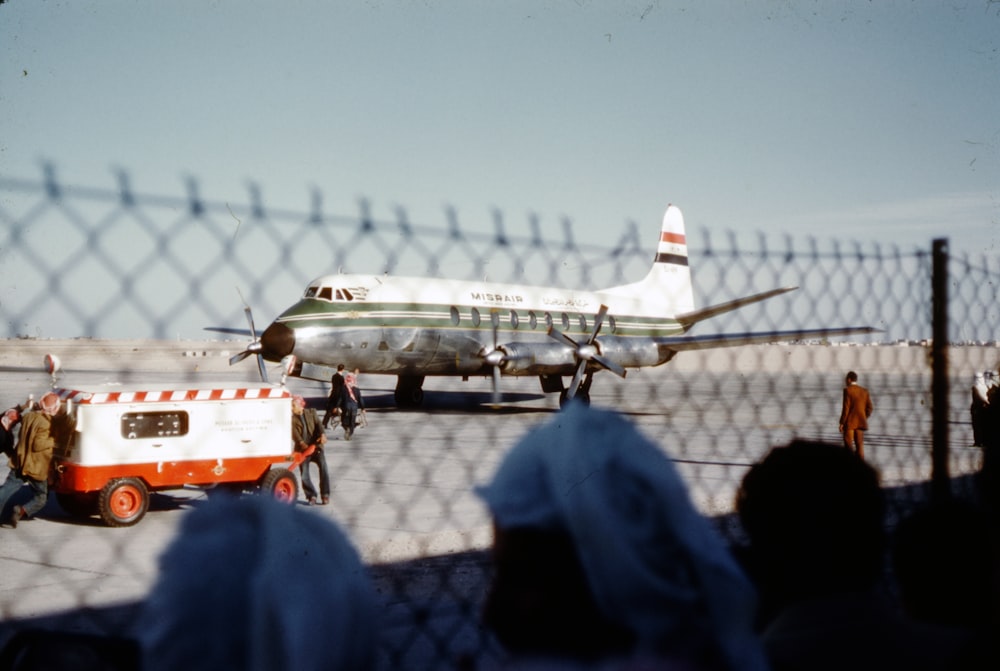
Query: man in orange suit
[{"x": 856, "y": 410}]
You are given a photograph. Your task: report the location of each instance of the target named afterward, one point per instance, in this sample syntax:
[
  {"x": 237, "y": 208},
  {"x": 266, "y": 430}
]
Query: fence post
[{"x": 940, "y": 481}]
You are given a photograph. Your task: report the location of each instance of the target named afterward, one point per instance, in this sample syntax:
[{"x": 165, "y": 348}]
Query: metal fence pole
[{"x": 940, "y": 481}]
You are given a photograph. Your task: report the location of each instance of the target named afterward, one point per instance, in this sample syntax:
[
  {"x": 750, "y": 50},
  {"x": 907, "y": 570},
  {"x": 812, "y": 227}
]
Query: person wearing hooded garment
[
  {"x": 351, "y": 400},
  {"x": 815, "y": 516},
  {"x": 602, "y": 561},
  {"x": 251, "y": 584},
  {"x": 979, "y": 408}
]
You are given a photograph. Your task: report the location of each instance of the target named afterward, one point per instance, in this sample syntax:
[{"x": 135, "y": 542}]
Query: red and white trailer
[{"x": 119, "y": 444}]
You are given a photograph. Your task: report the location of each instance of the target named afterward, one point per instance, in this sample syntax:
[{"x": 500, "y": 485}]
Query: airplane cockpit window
[{"x": 330, "y": 294}]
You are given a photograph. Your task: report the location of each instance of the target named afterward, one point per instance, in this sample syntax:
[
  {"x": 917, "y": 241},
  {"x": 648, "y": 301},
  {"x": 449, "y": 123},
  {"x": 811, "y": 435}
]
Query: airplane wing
[
  {"x": 682, "y": 343},
  {"x": 689, "y": 319},
  {"x": 233, "y": 331}
]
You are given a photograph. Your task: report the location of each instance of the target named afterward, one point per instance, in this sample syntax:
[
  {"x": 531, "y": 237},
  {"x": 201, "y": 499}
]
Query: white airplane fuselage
[{"x": 416, "y": 327}]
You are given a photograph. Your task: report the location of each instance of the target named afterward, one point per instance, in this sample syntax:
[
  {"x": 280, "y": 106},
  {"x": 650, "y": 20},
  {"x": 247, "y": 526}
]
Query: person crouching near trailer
[{"x": 32, "y": 458}]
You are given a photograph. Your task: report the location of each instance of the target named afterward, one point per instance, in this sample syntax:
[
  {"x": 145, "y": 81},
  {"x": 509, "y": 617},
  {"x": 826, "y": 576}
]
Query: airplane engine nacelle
[
  {"x": 538, "y": 359},
  {"x": 633, "y": 353}
]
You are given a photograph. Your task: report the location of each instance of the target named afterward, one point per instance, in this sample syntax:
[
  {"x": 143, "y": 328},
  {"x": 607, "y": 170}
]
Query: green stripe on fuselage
[{"x": 319, "y": 314}]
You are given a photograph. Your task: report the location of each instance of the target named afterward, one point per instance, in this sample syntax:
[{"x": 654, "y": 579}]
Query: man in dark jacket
[
  {"x": 333, "y": 400},
  {"x": 308, "y": 438}
]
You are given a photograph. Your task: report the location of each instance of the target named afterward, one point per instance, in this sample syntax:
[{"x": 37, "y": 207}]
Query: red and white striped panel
[
  {"x": 171, "y": 395},
  {"x": 672, "y": 248}
]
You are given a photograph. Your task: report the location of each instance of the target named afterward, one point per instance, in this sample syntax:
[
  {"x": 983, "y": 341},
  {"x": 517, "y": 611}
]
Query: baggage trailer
[{"x": 119, "y": 444}]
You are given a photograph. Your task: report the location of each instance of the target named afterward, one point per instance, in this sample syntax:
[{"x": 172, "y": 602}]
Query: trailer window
[{"x": 137, "y": 425}]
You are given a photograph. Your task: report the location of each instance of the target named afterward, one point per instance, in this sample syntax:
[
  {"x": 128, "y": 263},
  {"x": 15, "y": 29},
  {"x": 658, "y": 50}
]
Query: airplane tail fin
[{"x": 667, "y": 288}]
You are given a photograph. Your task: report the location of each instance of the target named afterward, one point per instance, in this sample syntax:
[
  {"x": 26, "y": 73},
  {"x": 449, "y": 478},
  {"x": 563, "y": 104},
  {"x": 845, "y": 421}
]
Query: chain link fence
[{"x": 82, "y": 266}]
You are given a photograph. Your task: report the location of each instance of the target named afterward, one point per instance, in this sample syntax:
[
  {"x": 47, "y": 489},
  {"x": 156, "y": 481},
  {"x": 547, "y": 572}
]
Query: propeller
[
  {"x": 254, "y": 347},
  {"x": 586, "y": 352},
  {"x": 494, "y": 356}
]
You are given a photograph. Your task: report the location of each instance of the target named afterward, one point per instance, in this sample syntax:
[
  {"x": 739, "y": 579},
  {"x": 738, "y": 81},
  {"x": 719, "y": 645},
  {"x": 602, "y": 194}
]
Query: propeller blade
[
  {"x": 598, "y": 323},
  {"x": 563, "y": 338},
  {"x": 261, "y": 368},
  {"x": 236, "y": 358},
  {"x": 249, "y": 314},
  {"x": 577, "y": 378},
  {"x": 610, "y": 365},
  {"x": 496, "y": 387}
]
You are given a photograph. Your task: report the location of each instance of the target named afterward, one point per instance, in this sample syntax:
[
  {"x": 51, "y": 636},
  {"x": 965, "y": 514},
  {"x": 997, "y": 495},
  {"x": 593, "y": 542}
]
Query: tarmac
[{"x": 402, "y": 488}]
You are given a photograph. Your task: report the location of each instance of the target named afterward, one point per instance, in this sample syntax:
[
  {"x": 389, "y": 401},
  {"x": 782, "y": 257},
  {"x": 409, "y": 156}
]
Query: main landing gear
[
  {"x": 582, "y": 394},
  {"x": 409, "y": 391}
]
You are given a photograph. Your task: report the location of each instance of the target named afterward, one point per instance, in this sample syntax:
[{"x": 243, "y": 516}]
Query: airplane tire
[
  {"x": 581, "y": 397},
  {"x": 412, "y": 397},
  {"x": 281, "y": 484},
  {"x": 123, "y": 502}
]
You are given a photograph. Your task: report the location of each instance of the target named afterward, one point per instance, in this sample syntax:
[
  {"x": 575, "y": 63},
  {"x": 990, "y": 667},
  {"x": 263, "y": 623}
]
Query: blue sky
[{"x": 852, "y": 120}]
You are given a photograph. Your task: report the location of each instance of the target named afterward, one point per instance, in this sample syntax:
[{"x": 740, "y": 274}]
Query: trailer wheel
[
  {"x": 281, "y": 484},
  {"x": 123, "y": 502},
  {"x": 78, "y": 505}
]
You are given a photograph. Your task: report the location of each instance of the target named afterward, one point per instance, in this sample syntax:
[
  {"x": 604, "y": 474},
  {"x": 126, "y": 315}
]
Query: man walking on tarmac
[
  {"x": 333, "y": 400},
  {"x": 854, "y": 414}
]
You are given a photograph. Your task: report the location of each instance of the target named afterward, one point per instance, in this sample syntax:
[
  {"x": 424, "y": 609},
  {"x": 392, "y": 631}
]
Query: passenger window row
[{"x": 566, "y": 321}]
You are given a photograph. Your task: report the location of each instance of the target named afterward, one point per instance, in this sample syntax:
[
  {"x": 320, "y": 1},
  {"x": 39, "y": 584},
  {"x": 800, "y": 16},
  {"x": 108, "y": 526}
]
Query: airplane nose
[{"x": 277, "y": 342}]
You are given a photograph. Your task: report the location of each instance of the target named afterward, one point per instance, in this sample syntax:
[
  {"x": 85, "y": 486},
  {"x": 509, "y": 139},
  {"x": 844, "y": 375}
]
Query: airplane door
[{"x": 410, "y": 347}]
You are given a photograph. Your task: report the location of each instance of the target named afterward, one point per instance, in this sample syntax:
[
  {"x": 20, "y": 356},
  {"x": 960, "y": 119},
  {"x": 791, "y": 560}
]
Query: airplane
[{"x": 419, "y": 327}]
